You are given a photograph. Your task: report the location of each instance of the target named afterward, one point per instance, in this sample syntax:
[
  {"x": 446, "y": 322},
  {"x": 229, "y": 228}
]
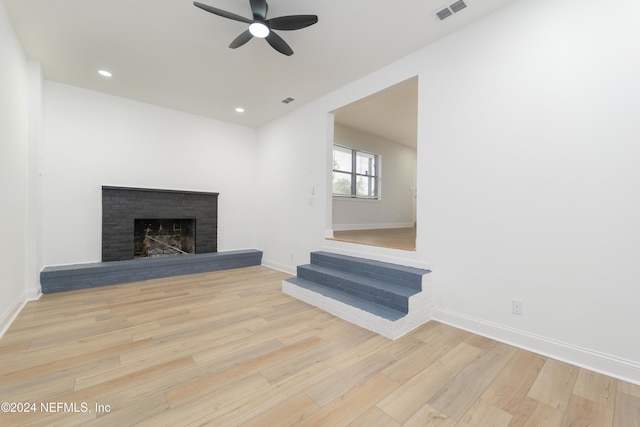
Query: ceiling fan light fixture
[
  {"x": 259, "y": 30},
  {"x": 260, "y": 26}
]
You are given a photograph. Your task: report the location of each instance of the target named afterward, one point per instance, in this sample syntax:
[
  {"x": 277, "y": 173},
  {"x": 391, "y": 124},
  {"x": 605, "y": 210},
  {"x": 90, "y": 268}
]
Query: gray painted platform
[
  {"x": 389, "y": 299},
  {"x": 384, "y": 271},
  {"x": 81, "y": 276},
  {"x": 382, "y": 292}
]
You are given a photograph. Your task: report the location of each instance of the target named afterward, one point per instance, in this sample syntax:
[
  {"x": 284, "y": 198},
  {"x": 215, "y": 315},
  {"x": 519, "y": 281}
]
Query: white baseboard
[
  {"x": 7, "y": 318},
  {"x": 279, "y": 266},
  {"x": 347, "y": 227},
  {"x": 612, "y": 366},
  {"x": 33, "y": 295}
]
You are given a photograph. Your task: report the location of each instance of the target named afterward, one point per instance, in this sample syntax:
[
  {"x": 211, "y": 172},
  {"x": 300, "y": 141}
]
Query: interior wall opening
[{"x": 373, "y": 170}]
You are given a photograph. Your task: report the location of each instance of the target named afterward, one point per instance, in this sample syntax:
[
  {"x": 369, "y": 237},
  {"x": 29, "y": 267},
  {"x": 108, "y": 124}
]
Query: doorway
[{"x": 383, "y": 125}]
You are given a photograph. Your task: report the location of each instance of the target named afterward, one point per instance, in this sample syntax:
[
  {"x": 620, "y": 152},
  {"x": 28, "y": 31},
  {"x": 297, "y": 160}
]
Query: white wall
[
  {"x": 292, "y": 186},
  {"x": 527, "y": 176},
  {"x": 395, "y": 207},
  {"x": 531, "y": 176},
  {"x": 13, "y": 171},
  {"x": 92, "y": 139}
]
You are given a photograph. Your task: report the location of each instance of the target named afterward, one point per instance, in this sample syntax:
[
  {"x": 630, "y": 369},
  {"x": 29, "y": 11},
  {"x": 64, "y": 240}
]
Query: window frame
[{"x": 371, "y": 176}]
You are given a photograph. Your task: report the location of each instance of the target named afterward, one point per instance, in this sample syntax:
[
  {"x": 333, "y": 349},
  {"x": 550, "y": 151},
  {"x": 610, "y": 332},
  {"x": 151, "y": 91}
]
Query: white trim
[
  {"x": 7, "y": 318},
  {"x": 33, "y": 295},
  {"x": 612, "y": 366},
  {"x": 278, "y": 266},
  {"x": 375, "y": 226},
  {"x": 394, "y": 256}
]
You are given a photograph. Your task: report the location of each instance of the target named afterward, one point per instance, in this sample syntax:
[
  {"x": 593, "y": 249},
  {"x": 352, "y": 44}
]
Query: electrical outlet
[{"x": 516, "y": 307}]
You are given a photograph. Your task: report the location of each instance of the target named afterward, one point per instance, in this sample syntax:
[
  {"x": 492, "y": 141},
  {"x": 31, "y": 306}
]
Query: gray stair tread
[
  {"x": 393, "y": 288},
  {"x": 370, "y": 262},
  {"x": 350, "y": 299}
]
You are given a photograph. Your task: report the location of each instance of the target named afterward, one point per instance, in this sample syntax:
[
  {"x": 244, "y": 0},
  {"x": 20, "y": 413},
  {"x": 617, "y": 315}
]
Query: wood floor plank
[
  {"x": 555, "y": 384},
  {"x": 533, "y": 413},
  {"x": 72, "y": 362},
  {"x": 287, "y": 413},
  {"x": 404, "y": 369},
  {"x": 357, "y": 352},
  {"x": 341, "y": 382},
  {"x": 627, "y": 411},
  {"x": 352, "y": 404},
  {"x": 415, "y": 393},
  {"x": 53, "y": 384},
  {"x": 217, "y": 380},
  {"x": 208, "y": 406},
  {"x": 483, "y": 414},
  {"x": 229, "y": 348},
  {"x": 626, "y": 387},
  {"x": 427, "y": 416},
  {"x": 512, "y": 384},
  {"x": 597, "y": 387},
  {"x": 124, "y": 415},
  {"x": 462, "y": 391},
  {"x": 252, "y": 404},
  {"x": 374, "y": 417},
  {"x": 586, "y": 412},
  {"x": 394, "y": 238},
  {"x": 428, "y": 331}
]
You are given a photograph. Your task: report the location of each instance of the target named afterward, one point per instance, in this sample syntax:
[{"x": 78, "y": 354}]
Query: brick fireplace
[
  {"x": 183, "y": 220},
  {"x": 123, "y": 208}
]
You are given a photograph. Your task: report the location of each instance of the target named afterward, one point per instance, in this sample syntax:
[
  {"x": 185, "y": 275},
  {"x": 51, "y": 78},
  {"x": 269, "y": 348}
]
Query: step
[
  {"x": 365, "y": 305},
  {"x": 377, "y": 291},
  {"x": 380, "y": 319},
  {"x": 378, "y": 270}
]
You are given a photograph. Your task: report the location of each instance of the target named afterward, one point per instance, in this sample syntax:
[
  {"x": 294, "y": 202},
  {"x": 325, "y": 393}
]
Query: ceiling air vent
[
  {"x": 458, "y": 6},
  {"x": 288, "y": 100},
  {"x": 444, "y": 12}
]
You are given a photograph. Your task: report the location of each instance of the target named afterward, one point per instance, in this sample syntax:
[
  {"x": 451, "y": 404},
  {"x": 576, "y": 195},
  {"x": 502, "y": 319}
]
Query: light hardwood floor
[
  {"x": 394, "y": 238},
  {"x": 228, "y": 348}
]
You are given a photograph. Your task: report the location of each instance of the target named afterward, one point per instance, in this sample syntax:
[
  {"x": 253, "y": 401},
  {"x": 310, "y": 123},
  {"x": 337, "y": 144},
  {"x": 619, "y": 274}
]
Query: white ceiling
[
  {"x": 391, "y": 114},
  {"x": 172, "y": 54}
]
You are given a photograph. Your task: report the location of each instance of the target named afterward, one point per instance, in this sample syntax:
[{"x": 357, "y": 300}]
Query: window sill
[{"x": 354, "y": 199}]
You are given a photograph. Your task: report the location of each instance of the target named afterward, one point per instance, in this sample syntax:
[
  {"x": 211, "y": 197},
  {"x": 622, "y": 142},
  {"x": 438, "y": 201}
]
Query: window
[{"x": 355, "y": 173}]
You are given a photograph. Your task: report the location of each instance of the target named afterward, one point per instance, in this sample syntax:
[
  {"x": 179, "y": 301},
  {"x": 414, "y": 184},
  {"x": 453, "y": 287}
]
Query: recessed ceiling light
[
  {"x": 105, "y": 73},
  {"x": 239, "y": 110}
]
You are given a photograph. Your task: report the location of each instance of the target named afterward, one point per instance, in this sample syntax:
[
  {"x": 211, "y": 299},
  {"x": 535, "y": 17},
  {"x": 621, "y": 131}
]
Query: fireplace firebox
[{"x": 154, "y": 238}]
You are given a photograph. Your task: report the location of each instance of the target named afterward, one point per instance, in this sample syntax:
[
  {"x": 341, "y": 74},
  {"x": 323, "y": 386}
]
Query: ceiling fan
[{"x": 262, "y": 27}]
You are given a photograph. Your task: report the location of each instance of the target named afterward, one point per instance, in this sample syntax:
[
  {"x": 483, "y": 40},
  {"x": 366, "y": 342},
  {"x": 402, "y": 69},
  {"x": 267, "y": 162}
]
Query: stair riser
[
  {"x": 392, "y": 329},
  {"x": 366, "y": 269},
  {"x": 380, "y": 296}
]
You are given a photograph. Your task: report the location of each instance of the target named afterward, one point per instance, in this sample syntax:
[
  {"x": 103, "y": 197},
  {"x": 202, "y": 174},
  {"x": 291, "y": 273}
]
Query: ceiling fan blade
[
  {"x": 293, "y": 22},
  {"x": 259, "y": 9},
  {"x": 278, "y": 44},
  {"x": 222, "y": 13},
  {"x": 241, "y": 39}
]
